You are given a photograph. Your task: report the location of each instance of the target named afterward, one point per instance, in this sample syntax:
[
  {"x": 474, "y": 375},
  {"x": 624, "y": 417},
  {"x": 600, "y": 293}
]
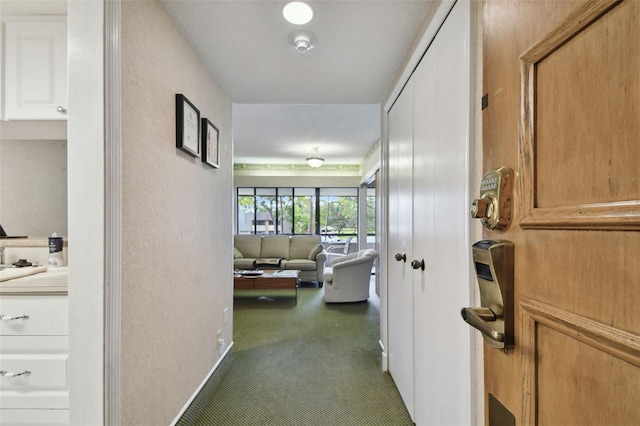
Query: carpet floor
[{"x": 306, "y": 364}]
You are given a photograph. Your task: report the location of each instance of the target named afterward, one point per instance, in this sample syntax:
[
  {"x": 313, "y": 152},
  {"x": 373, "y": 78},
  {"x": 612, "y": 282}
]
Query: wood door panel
[
  {"x": 604, "y": 273},
  {"x": 576, "y": 379},
  {"x": 597, "y": 71},
  {"x": 576, "y": 205},
  {"x": 580, "y": 120}
]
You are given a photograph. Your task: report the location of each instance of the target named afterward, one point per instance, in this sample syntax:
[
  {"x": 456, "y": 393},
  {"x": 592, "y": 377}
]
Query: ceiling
[{"x": 285, "y": 101}]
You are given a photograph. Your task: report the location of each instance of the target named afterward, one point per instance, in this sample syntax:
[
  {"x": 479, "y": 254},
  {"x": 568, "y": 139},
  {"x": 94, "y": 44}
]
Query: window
[
  {"x": 331, "y": 212},
  {"x": 246, "y": 211},
  {"x": 304, "y": 211},
  {"x": 338, "y": 212}
]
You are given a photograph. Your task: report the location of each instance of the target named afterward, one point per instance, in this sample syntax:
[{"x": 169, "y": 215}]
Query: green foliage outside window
[{"x": 293, "y": 211}]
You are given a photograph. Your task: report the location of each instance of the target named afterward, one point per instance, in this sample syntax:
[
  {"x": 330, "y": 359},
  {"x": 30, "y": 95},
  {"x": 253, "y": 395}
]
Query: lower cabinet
[
  {"x": 34, "y": 360},
  {"x": 34, "y": 417}
]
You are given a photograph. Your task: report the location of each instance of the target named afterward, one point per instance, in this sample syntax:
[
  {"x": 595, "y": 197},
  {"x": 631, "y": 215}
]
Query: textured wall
[
  {"x": 177, "y": 221},
  {"x": 33, "y": 187}
]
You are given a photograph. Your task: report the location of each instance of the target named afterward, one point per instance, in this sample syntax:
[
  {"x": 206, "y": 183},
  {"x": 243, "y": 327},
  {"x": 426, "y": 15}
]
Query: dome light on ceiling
[
  {"x": 297, "y": 12},
  {"x": 314, "y": 160}
]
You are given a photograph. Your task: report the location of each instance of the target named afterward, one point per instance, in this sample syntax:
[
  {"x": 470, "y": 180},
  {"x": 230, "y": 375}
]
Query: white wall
[
  {"x": 33, "y": 187},
  {"x": 176, "y": 221}
]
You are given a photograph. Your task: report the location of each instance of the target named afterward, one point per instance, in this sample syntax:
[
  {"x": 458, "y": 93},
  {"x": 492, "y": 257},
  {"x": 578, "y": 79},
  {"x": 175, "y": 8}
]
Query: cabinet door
[
  {"x": 35, "y": 417},
  {"x": 35, "y": 70}
]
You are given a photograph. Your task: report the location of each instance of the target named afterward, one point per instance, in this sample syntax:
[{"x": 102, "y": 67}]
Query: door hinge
[{"x": 485, "y": 101}]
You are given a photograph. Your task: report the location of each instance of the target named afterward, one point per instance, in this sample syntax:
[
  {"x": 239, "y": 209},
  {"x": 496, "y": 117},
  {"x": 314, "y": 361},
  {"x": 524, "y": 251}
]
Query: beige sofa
[{"x": 302, "y": 252}]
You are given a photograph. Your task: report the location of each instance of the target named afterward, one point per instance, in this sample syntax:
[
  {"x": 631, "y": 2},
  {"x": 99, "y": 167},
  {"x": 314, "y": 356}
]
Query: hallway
[{"x": 304, "y": 364}]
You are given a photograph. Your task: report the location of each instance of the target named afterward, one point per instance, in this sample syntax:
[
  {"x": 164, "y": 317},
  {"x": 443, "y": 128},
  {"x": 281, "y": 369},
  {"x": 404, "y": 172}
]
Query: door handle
[
  {"x": 417, "y": 264},
  {"x": 401, "y": 257},
  {"x": 479, "y": 319},
  {"x": 494, "y": 318}
]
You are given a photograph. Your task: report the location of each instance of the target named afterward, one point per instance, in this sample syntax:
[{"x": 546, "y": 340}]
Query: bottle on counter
[{"x": 55, "y": 251}]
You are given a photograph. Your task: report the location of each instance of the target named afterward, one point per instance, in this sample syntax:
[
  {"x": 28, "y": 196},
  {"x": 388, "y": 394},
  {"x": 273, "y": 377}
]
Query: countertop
[
  {"x": 53, "y": 282},
  {"x": 28, "y": 242}
]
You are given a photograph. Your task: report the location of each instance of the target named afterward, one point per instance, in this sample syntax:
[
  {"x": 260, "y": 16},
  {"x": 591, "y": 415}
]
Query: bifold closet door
[
  {"x": 399, "y": 278},
  {"x": 442, "y": 341}
]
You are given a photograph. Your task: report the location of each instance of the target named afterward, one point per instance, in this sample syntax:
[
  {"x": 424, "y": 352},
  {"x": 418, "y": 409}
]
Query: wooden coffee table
[{"x": 267, "y": 280}]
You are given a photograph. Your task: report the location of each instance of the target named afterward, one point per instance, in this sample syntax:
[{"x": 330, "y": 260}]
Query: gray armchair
[{"x": 348, "y": 278}]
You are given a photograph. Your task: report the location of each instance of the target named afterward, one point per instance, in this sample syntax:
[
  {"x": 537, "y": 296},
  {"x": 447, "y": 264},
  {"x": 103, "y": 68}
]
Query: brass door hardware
[
  {"x": 401, "y": 257},
  {"x": 493, "y": 262},
  {"x": 493, "y": 207},
  {"x": 417, "y": 264}
]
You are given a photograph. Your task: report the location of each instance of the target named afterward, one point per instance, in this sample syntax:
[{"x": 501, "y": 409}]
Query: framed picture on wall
[
  {"x": 210, "y": 144},
  {"x": 187, "y": 126}
]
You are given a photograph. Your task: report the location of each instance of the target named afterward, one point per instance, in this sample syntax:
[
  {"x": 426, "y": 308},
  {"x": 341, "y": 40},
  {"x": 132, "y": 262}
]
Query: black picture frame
[
  {"x": 210, "y": 139},
  {"x": 187, "y": 126}
]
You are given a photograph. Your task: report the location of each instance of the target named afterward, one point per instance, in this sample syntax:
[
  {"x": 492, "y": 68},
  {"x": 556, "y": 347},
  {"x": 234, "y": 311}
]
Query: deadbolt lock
[{"x": 493, "y": 207}]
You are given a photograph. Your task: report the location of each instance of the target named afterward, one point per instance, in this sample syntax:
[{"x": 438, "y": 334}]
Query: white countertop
[
  {"x": 28, "y": 242},
  {"x": 53, "y": 281}
]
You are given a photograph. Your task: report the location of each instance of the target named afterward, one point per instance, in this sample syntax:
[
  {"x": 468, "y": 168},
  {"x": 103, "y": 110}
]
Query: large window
[
  {"x": 330, "y": 212},
  {"x": 338, "y": 212}
]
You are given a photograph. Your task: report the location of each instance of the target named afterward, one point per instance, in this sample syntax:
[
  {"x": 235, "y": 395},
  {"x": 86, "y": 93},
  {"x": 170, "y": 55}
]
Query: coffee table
[{"x": 267, "y": 280}]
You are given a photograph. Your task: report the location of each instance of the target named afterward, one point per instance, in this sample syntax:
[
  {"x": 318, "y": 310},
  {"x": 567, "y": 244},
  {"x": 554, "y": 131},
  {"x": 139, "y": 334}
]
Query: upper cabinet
[{"x": 35, "y": 74}]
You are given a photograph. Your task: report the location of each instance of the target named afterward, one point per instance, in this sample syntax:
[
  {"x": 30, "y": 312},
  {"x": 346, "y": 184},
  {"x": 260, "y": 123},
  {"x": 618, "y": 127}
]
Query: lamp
[{"x": 314, "y": 160}]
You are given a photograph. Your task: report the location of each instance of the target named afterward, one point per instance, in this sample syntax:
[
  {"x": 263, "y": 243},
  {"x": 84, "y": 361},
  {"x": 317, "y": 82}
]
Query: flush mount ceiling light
[
  {"x": 314, "y": 160},
  {"x": 302, "y": 41},
  {"x": 297, "y": 12}
]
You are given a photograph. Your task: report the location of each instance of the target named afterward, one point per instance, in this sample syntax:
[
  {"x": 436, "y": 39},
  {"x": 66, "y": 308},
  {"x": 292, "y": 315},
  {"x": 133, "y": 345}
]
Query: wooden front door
[{"x": 562, "y": 80}]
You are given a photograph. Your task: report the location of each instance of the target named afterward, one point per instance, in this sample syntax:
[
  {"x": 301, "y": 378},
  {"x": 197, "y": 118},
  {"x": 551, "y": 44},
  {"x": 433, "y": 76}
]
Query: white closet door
[
  {"x": 400, "y": 291},
  {"x": 442, "y": 341}
]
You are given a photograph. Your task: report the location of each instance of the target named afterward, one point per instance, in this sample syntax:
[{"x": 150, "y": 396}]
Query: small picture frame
[
  {"x": 187, "y": 126},
  {"x": 210, "y": 144}
]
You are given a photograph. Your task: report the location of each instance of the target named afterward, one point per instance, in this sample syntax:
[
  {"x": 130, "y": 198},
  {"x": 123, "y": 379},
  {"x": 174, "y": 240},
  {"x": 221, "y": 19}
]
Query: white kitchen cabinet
[
  {"x": 38, "y": 345},
  {"x": 35, "y": 74}
]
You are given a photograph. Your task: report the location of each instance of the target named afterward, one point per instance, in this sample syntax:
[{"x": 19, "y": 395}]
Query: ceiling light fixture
[
  {"x": 302, "y": 41},
  {"x": 297, "y": 12},
  {"x": 314, "y": 160}
]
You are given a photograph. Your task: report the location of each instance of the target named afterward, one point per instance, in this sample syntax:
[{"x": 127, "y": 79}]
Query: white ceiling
[{"x": 286, "y": 102}]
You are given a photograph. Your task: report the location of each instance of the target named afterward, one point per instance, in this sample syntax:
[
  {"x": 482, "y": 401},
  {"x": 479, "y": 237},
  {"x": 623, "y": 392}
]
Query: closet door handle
[
  {"x": 417, "y": 264},
  {"x": 401, "y": 257}
]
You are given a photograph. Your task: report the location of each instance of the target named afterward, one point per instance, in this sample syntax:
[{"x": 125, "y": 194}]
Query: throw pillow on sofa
[
  {"x": 237, "y": 253},
  {"x": 315, "y": 252}
]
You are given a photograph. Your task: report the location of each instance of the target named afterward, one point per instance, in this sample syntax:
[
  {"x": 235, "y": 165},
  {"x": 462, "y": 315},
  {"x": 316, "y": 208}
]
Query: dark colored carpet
[{"x": 304, "y": 364}]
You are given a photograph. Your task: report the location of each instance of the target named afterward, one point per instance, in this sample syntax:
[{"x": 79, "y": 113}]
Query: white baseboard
[
  {"x": 204, "y": 382},
  {"x": 384, "y": 358}
]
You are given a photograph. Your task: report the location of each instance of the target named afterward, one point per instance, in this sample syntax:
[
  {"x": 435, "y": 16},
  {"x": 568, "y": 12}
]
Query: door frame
[{"x": 94, "y": 164}]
